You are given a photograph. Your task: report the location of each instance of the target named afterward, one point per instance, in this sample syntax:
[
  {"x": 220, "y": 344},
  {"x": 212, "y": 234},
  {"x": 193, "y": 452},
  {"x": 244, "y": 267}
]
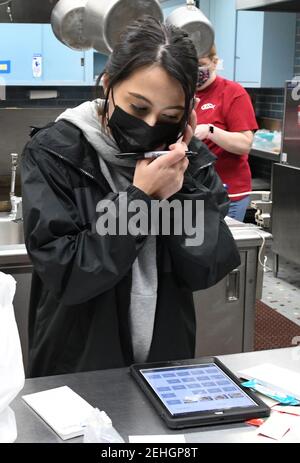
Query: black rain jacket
[{"x": 81, "y": 283}]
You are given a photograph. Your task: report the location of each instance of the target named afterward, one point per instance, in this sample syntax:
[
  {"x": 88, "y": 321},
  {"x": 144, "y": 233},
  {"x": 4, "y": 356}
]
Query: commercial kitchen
[{"x": 51, "y": 55}]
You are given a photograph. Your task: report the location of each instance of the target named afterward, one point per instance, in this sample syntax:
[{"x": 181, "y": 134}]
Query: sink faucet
[{"x": 16, "y": 201}]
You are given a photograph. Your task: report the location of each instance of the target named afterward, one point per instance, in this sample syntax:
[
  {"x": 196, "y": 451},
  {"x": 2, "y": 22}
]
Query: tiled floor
[{"x": 283, "y": 293}]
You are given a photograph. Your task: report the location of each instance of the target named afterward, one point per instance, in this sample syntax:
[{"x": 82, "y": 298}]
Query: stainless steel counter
[
  {"x": 13, "y": 254},
  {"x": 12, "y": 248},
  {"x": 269, "y": 155},
  {"x": 247, "y": 233},
  {"x": 115, "y": 392},
  {"x": 242, "y": 233}
]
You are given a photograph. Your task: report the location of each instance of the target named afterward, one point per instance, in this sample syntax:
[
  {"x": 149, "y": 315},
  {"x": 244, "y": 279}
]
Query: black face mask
[{"x": 135, "y": 136}]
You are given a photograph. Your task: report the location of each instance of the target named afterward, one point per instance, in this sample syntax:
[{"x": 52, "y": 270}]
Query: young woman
[
  {"x": 226, "y": 120},
  {"x": 103, "y": 300}
]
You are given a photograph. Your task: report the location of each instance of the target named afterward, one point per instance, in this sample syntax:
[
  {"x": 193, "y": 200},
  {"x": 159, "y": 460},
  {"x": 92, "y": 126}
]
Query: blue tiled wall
[
  {"x": 268, "y": 102},
  {"x": 67, "y": 96}
]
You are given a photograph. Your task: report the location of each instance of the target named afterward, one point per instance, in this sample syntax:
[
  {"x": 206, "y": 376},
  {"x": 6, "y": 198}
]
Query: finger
[
  {"x": 193, "y": 120},
  {"x": 178, "y": 145},
  {"x": 176, "y": 153},
  {"x": 142, "y": 163},
  {"x": 180, "y": 166},
  {"x": 184, "y": 164},
  {"x": 197, "y": 133},
  {"x": 191, "y": 125},
  {"x": 187, "y": 136}
]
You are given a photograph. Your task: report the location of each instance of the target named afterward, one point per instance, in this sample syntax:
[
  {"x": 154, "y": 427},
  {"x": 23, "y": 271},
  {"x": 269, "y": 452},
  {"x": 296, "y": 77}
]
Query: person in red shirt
[{"x": 226, "y": 119}]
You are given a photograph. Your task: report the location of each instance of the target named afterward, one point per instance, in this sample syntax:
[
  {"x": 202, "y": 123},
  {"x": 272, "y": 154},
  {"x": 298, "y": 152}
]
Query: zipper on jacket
[
  {"x": 60, "y": 156},
  {"x": 206, "y": 165},
  {"x": 203, "y": 167}
]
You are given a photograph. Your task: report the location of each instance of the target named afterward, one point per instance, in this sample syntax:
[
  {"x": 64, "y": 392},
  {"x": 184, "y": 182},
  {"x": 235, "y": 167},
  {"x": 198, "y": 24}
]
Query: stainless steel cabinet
[
  {"x": 286, "y": 213},
  {"x": 220, "y": 320},
  {"x": 225, "y": 313}
]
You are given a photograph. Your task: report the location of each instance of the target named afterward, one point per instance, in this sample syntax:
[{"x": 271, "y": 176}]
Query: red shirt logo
[{"x": 208, "y": 106}]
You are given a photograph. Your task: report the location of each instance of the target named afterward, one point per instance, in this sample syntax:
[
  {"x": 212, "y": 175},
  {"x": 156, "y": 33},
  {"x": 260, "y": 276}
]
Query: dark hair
[{"x": 147, "y": 41}]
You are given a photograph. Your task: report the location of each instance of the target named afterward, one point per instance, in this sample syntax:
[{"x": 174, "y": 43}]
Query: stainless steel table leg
[{"x": 275, "y": 264}]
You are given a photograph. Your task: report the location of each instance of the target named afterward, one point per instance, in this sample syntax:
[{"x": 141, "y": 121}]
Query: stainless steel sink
[{"x": 10, "y": 232}]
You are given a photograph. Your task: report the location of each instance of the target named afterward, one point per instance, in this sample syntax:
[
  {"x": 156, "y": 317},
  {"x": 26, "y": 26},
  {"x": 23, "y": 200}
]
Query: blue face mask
[{"x": 203, "y": 75}]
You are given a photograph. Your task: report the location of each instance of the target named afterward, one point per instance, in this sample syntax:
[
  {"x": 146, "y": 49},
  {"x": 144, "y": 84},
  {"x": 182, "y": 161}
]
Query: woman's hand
[
  {"x": 202, "y": 131},
  {"x": 239, "y": 143},
  {"x": 163, "y": 176}
]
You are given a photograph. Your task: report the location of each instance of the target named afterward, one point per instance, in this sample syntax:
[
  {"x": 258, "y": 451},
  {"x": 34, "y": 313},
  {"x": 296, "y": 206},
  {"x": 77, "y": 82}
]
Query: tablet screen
[{"x": 196, "y": 388}]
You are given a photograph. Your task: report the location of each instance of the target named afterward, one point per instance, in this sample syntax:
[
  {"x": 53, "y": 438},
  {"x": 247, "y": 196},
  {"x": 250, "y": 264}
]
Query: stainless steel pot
[
  {"x": 105, "y": 20},
  {"x": 196, "y": 24},
  {"x": 67, "y": 24}
]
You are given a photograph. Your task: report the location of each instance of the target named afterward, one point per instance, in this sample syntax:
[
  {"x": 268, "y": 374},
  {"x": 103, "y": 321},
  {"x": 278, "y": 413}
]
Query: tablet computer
[{"x": 197, "y": 392}]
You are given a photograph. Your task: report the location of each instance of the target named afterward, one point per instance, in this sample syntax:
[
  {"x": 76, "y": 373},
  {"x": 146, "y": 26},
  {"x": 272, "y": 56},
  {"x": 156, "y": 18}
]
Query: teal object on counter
[
  {"x": 265, "y": 135},
  {"x": 282, "y": 399}
]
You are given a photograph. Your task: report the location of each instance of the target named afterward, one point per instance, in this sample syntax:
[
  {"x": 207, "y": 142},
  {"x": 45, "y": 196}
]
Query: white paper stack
[{"x": 62, "y": 409}]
